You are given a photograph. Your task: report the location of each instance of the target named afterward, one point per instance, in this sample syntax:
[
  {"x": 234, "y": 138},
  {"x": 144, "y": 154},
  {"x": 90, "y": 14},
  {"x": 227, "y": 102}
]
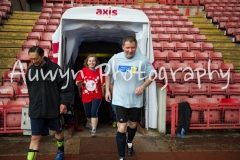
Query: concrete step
[
  {"x": 23, "y": 12},
  {"x": 24, "y": 16},
  {"x": 14, "y": 30},
  {"x": 214, "y": 31},
  {"x": 217, "y": 38},
  {"x": 20, "y": 24},
  {"x": 223, "y": 44},
  {"x": 13, "y": 35},
  {"x": 9, "y": 52},
  {"x": 21, "y": 21},
  {"x": 20, "y": 27},
  {"x": 7, "y": 60},
  {"x": 204, "y": 26},
  {"x": 16, "y": 43}
]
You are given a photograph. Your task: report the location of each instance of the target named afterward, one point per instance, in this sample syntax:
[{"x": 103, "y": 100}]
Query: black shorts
[
  {"x": 41, "y": 126},
  {"x": 124, "y": 114}
]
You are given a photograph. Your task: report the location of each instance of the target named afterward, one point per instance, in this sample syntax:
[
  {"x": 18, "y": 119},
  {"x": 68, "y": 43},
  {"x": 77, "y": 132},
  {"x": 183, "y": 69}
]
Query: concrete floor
[{"x": 219, "y": 145}]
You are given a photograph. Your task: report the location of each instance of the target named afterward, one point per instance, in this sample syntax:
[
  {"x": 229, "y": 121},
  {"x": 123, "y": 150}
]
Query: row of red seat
[
  {"x": 175, "y": 65},
  {"x": 44, "y": 28},
  {"x": 134, "y": 6},
  {"x": 187, "y": 90},
  {"x": 188, "y": 57},
  {"x": 44, "y": 44},
  {"x": 219, "y": 1},
  {"x": 163, "y": 17},
  {"x": 158, "y": 23},
  {"x": 179, "y": 37},
  {"x": 161, "y": 13},
  {"x": 221, "y": 5},
  {"x": 186, "y": 46},
  {"x": 174, "y": 30},
  {"x": 195, "y": 100},
  {"x": 189, "y": 79},
  {"x": 223, "y": 9}
]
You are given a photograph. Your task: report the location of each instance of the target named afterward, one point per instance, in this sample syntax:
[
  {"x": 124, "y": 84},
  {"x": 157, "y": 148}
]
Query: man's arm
[
  {"x": 108, "y": 93},
  {"x": 146, "y": 83}
]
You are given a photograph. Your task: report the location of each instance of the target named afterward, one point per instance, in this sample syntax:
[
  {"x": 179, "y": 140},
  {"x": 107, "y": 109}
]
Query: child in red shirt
[{"x": 91, "y": 82}]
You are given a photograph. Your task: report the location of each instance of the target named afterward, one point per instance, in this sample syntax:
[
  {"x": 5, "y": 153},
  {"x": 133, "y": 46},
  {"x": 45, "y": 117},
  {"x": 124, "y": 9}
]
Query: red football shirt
[{"x": 91, "y": 84}]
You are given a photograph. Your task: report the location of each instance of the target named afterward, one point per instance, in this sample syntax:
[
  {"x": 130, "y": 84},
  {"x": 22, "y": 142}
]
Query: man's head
[
  {"x": 129, "y": 46},
  {"x": 36, "y": 55}
]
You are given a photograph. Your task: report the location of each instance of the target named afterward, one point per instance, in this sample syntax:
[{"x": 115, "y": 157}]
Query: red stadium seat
[
  {"x": 6, "y": 91},
  {"x": 194, "y": 31},
  {"x": 159, "y": 13},
  {"x": 178, "y": 13},
  {"x": 49, "y": 5},
  {"x": 188, "y": 57},
  {"x": 160, "y": 56},
  {"x": 200, "y": 38},
  {"x": 169, "y": 13},
  {"x": 227, "y": 66},
  {"x": 235, "y": 77},
  {"x": 174, "y": 57},
  {"x": 46, "y": 36},
  {"x": 164, "y": 37},
  {"x": 34, "y": 35},
  {"x": 167, "y": 24},
  {"x": 182, "y": 30},
  {"x": 195, "y": 91},
  {"x": 173, "y": 18},
  {"x": 51, "y": 28},
  {"x": 41, "y": 21},
  {"x": 165, "y": 8},
  {"x": 202, "y": 57},
  {"x": 47, "y": 10},
  {"x": 183, "y": 18},
  {"x": 171, "y": 30},
  {"x": 195, "y": 66},
  {"x": 58, "y": 5},
  {"x": 168, "y": 46},
  {"x": 175, "y": 37},
  {"x": 217, "y": 91},
  {"x": 160, "y": 30},
  {"x": 156, "y": 23},
  {"x": 207, "y": 47},
  {"x": 45, "y": 44},
  {"x": 181, "y": 90},
  {"x": 38, "y": 28},
  {"x": 55, "y": 16},
  {"x": 44, "y": 16},
  {"x": 29, "y": 44},
  {"x": 216, "y": 57},
  {"x": 53, "y": 22},
  {"x": 181, "y": 46},
  {"x": 177, "y": 24},
  {"x": 163, "y": 18},
  {"x": 188, "y": 38},
  {"x": 17, "y": 102},
  {"x": 194, "y": 46},
  {"x": 23, "y": 56},
  {"x": 188, "y": 24},
  {"x": 57, "y": 10}
]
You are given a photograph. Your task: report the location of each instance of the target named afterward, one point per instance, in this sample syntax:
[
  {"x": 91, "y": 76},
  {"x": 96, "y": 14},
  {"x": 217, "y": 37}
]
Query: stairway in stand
[
  {"x": 12, "y": 35},
  {"x": 221, "y": 43}
]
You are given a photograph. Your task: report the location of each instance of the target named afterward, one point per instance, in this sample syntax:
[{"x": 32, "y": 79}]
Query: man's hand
[
  {"x": 139, "y": 90},
  {"x": 108, "y": 96},
  {"x": 63, "y": 109}
]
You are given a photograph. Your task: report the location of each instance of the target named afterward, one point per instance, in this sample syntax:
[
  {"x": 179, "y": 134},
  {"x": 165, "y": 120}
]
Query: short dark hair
[
  {"x": 37, "y": 49},
  {"x": 129, "y": 39}
]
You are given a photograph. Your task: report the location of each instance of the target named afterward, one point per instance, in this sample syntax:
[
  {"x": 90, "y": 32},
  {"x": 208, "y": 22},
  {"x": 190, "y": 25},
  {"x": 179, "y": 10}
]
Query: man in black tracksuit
[{"x": 49, "y": 96}]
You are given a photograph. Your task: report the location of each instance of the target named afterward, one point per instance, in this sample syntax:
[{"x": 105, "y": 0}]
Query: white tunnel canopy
[{"x": 109, "y": 24}]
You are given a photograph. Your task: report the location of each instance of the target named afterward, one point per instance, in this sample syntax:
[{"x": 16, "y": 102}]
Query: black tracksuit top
[{"x": 46, "y": 95}]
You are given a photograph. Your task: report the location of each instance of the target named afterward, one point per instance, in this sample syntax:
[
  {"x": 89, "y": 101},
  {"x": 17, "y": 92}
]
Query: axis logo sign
[{"x": 106, "y": 12}]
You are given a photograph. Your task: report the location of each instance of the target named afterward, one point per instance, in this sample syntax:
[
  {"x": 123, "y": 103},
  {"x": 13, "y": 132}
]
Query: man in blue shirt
[{"x": 132, "y": 73}]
